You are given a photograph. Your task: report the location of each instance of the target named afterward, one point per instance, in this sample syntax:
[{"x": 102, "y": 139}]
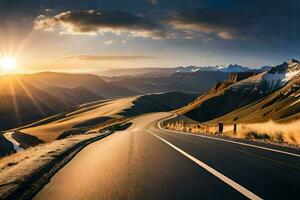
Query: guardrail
[{"x": 184, "y": 126}]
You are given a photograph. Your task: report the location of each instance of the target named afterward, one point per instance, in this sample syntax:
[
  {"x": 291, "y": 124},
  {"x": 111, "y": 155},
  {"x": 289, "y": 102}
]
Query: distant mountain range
[
  {"x": 181, "y": 79},
  {"x": 133, "y": 72},
  {"x": 198, "y": 81},
  {"x": 93, "y": 83},
  {"x": 159, "y": 72},
  {"x": 232, "y": 68},
  {"x": 180, "y": 82}
]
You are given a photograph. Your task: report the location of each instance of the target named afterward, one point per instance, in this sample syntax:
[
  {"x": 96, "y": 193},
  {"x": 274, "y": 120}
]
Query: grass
[
  {"x": 280, "y": 133},
  {"x": 277, "y": 132}
]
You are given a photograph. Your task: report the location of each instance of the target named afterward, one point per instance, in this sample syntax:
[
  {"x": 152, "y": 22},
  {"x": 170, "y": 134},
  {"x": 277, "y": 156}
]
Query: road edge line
[
  {"x": 211, "y": 170},
  {"x": 224, "y": 140}
]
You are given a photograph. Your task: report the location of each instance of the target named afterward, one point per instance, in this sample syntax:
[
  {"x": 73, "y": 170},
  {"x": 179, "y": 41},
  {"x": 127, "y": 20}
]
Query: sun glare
[{"x": 8, "y": 64}]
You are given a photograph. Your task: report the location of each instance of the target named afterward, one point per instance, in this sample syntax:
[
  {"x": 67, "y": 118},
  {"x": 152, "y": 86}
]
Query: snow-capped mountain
[
  {"x": 232, "y": 68},
  {"x": 235, "y": 68},
  {"x": 283, "y": 105},
  {"x": 281, "y": 74},
  {"x": 273, "y": 79},
  {"x": 245, "y": 92},
  {"x": 187, "y": 69}
]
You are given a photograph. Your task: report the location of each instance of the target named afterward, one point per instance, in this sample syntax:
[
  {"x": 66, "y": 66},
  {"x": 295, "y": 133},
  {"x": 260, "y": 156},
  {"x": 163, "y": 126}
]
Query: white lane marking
[
  {"x": 214, "y": 172},
  {"x": 230, "y": 141}
]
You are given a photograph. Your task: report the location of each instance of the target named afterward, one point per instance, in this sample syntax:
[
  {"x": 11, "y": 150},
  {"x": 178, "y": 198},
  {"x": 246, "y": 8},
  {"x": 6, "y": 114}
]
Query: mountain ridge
[{"x": 152, "y": 71}]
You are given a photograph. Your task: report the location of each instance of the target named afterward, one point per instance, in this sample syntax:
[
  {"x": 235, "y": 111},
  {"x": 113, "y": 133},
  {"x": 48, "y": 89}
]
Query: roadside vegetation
[
  {"x": 279, "y": 133},
  {"x": 271, "y": 131}
]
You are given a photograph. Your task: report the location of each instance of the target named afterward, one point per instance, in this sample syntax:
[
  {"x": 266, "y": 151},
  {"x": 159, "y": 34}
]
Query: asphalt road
[{"x": 145, "y": 162}]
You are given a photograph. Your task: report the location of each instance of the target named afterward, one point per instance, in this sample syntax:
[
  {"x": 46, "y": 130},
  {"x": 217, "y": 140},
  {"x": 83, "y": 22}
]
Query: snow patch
[{"x": 279, "y": 79}]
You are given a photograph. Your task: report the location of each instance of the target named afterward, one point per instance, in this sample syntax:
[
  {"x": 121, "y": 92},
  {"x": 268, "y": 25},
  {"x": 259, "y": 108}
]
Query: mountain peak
[
  {"x": 235, "y": 68},
  {"x": 292, "y": 61}
]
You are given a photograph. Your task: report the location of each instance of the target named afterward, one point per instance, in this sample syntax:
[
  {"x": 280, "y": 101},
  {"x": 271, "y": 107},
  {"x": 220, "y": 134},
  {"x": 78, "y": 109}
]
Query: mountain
[
  {"x": 111, "y": 110},
  {"x": 90, "y": 82},
  {"x": 191, "y": 69},
  {"x": 148, "y": 72},
  {"x": 283, "y": 105},
  {"x": 232, "y": 68},
  {"x": 235, "y": 69},
  {"x": 75, "y": 96},
  {"x": 21, "y": 102},
  {"x": 235, "y": 95},
  {"x": 71, "y": 96},
  {"x": 164, "y": 72},
  {"x": 190, "y": 78},
  {"x": 200, "y": 81},
  {"x": 26, "y": 98}
]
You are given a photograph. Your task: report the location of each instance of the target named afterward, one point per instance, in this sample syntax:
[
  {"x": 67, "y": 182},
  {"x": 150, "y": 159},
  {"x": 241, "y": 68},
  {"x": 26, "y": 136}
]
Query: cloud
[
  {"x": 227, "y": 25},
  {"x": 109, "y": 42},
  {"x": 110, "y": 57},
  {"x": 93, "y": 22},
  {"x": 154, "y": 2}
]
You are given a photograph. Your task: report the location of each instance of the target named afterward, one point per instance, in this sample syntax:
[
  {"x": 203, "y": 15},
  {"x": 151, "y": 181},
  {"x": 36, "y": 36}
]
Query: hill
[
  {"x": 26, "y": 98},
  {"x": 90, "y": 82},
  {"x": 180, "y": 79},
  {"x": 133, "y": 72},
  {"x": 162, "y": 72},
  {"x": 281, "y": 106},
  {"x": 21, "y": 102},
  {"x": 96, "y": 114},
  {"x": 200, "y": 81}
]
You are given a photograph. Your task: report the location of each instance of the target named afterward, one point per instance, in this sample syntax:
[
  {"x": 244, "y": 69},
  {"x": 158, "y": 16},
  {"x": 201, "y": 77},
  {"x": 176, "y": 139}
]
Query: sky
[{"x": 96, "y": 35}]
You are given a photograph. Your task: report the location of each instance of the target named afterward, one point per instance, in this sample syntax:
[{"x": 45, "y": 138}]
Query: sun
[{"x": 8, "y": 64}]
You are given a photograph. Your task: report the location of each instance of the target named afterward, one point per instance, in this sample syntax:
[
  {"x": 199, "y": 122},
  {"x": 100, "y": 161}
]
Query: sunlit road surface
[{"x": 145, "y": 162}]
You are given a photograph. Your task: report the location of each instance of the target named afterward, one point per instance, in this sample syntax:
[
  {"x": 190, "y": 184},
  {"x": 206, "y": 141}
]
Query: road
[{"x": 145, "y": 162}]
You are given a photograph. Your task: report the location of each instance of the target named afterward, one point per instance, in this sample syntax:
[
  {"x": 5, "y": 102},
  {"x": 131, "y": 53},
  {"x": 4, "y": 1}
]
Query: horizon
[{"x": 2, "y": 72}]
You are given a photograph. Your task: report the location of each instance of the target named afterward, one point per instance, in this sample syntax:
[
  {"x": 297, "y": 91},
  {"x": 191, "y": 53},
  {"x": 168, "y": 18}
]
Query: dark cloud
[
  {"x": 153, "y": 2},
  {"x": 227, "y": 19},
  {"x": 267, "y": 21},
  {"x": 224, "y": 24},
  {"x": 111, "y": 57},
  {"x": 95, "y": 22}
]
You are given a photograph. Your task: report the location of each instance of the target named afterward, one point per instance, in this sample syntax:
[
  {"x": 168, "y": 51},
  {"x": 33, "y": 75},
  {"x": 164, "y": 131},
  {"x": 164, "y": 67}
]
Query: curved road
[{"x": 146, "y": 162}]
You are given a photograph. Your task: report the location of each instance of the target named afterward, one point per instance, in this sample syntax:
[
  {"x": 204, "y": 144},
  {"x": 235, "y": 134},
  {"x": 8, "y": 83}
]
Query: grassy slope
[
  {"x": 200, "y": 81},
  {"x": 282, "y": 106},
  {"x": 20, "y": 103},
  {"x": 90, "y": 82},
  {"x": 49, "y": 132},
  {"x": 96, "y": 113}
]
